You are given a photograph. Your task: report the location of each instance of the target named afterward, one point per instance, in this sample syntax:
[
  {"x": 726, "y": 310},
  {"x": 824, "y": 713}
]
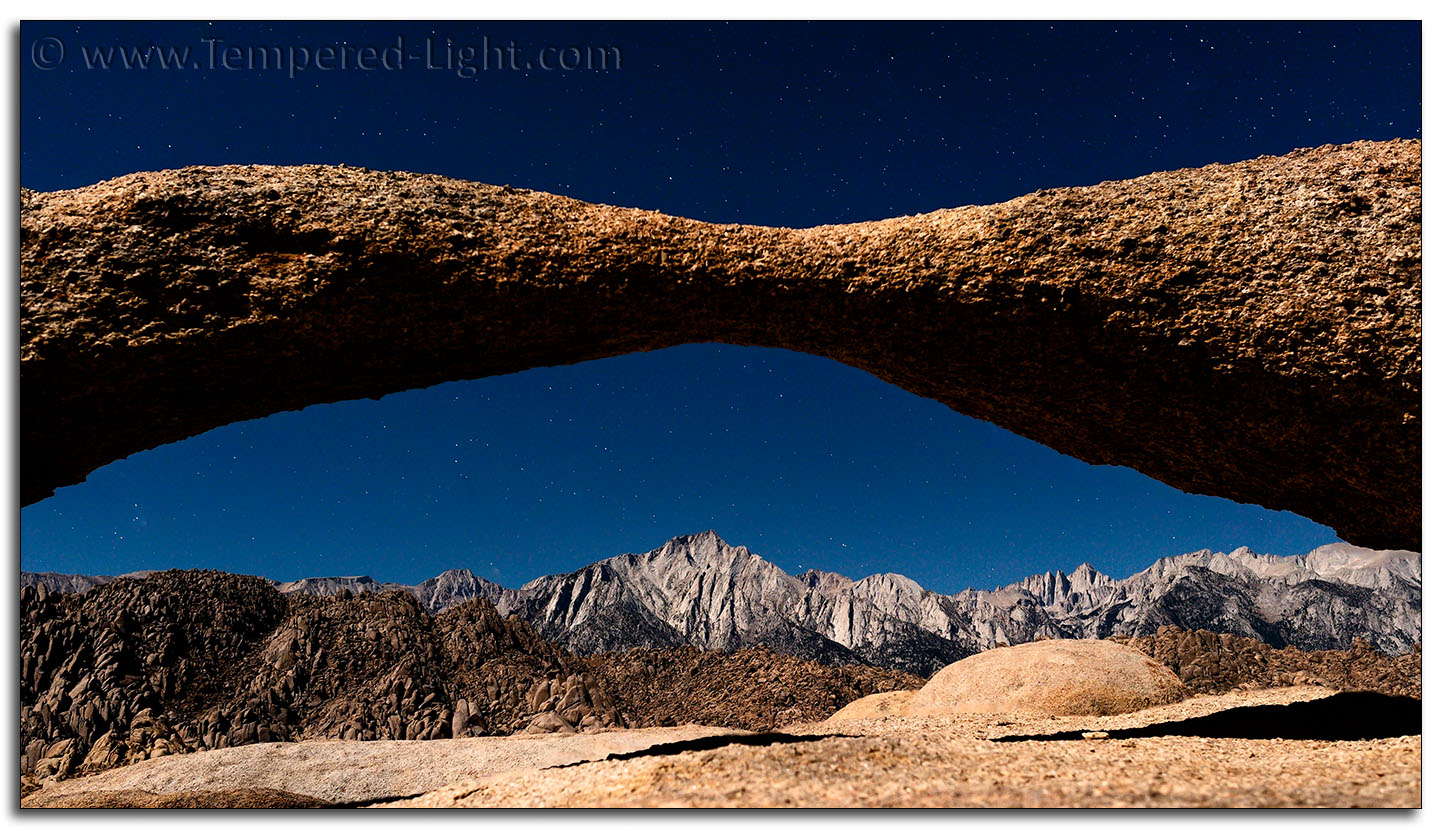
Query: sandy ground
[
  {"x": 884, "y": 761},
  {"x": 921, "y": 770},
  {"x": 951, "y": 761}
]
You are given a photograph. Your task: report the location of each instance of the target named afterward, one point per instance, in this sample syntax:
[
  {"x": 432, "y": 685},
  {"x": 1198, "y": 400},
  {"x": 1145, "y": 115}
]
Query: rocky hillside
[
  {"x": 186, "y": 660},
  {"x": 752, "y": 688},
  {"x": 1213, "y": 663},
  {"x": 183, "y": 661}
]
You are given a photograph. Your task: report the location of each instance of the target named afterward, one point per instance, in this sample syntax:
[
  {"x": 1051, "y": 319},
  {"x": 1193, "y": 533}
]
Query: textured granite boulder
[
  {"x": 1250, "y": 330},
  {"x": 875, "y": 707},
  {"x": 1060, "y": 677}
]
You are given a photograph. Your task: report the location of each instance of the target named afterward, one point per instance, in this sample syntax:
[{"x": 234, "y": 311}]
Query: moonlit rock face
[
  {"x": 1274, "y": 305},
  {"x": 453, "y": 587},
  {"x": 1377, "y": 569},
  {"x": 332, "y": 585},
  {"x": 1056, "y": 677},
  {"x": 61, "y": 582},
  {"x": 698, "y": 590}
]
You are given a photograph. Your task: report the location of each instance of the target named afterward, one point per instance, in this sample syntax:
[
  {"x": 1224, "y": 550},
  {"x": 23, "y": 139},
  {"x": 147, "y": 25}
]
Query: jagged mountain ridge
[
  {"x": 435, "y": 594},
  {"x": 699, "y": 591}
]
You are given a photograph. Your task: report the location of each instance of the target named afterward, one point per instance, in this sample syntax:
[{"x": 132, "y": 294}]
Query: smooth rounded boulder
[
  {"x": 1057, "y": 677},
  {"x": 875, "y": 706}
]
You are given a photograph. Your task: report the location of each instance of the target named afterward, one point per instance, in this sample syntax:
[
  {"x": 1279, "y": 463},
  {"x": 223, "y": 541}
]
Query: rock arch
[{"x": 1249, "y": 330}]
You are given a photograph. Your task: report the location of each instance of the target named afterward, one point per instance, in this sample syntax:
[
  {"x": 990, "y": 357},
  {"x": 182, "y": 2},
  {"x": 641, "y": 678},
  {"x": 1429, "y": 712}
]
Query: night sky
[{"x": 807, "y": 462}]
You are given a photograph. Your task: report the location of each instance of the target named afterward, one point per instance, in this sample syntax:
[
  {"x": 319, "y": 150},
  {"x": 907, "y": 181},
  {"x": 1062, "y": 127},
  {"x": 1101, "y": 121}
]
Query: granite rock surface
[{"x": 1248, "y": 330}]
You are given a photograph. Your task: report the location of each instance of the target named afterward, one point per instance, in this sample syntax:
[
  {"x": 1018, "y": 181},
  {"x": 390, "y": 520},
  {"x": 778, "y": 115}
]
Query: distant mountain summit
[
  {"x": 71, "y": 583},
  {"x": 453, "y": 587},
  {"x": 695, "y": 590},
  {"x": 435, "y": 594},
  {"x": 698, "y": 590},
  {"x": 333, "y": 585}
]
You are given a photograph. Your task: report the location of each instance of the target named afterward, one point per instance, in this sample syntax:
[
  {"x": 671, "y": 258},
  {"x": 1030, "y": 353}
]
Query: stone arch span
[{"x": 1250, "y": 330}]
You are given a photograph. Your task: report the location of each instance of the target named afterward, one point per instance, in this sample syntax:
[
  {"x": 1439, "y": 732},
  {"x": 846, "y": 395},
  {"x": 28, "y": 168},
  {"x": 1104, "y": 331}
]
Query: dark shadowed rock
[{"x": 1250, "y": 330}]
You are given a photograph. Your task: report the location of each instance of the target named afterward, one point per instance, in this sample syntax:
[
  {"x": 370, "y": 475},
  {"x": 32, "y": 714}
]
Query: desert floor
[{"x": 888, "y": 761}]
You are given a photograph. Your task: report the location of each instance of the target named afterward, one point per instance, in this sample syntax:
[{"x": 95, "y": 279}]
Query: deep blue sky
[{"x": 808, "y": 462}]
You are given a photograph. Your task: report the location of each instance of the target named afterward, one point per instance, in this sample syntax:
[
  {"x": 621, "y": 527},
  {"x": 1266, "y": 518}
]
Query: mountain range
[{"x": 698, "y": 590}]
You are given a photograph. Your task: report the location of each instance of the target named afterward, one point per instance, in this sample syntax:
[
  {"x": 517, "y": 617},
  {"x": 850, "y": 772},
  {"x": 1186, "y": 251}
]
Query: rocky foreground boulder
[
  {"x": 1248, "y": 330},
  {"x": 876, "y": 706},
  {"x": 1061, "y": 677}
]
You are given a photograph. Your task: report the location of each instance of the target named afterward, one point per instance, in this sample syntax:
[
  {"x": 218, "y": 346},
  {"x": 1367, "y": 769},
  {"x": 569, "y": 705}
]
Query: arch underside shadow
[{"x": 1250, "y": 330}]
